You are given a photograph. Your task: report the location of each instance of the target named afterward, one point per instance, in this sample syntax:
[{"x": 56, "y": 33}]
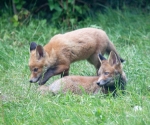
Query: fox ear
[
  {"x": 113, "y": 59},
  {"x": 40, "y": 52},
  {"x": 100, "y": 57},
  {"x": 33, "y": 46}
]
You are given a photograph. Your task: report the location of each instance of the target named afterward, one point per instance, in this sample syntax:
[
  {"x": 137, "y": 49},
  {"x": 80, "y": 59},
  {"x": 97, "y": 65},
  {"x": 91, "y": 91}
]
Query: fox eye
[
  {"x": 106, "y": 73},
  {"x": 35, "y": 69}
]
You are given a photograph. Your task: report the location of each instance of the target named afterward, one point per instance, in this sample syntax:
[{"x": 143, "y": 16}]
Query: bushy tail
[{"x": 110, "y": 48}]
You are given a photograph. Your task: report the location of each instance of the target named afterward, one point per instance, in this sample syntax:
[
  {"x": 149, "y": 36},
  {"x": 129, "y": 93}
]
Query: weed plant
[{"x": 21, "y": 104}]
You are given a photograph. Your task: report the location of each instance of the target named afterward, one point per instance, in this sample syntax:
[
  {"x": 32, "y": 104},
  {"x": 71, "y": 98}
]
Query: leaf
[
  {"x": 65, "y": 6},
  {"x": 71, "y": 1},
  {"x": 16, "y": 1},
  {"x": 58, "y": 8},
  {"x": 52, "y": 7},
  {"x": 15, "y": 17},
  {"x": 19, "y": 6},
  {"x": 15, "y": 24},
  {"x": 78, "y": 9},
  {"x": 73, "y": 20},
  {"x": 56, "y": 16}
]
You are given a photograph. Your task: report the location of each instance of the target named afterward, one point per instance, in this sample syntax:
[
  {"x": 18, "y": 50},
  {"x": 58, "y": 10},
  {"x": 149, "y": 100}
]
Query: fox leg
[
  {"x": 97, "y": 66},
  {"x": 95, "y": 61},
  {"x": 65, "y": 73},
  {"x": 54, "y": 71}
]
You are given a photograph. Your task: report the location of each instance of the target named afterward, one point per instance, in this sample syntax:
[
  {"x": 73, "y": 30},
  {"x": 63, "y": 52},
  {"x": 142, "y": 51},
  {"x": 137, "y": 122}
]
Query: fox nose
[
  {"x": 98, "y": 83},
  {"x": 101, "y": 83},
  {"x": 31, "y": 81}
]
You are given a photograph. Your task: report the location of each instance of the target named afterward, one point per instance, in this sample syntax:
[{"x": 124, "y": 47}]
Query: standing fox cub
[
  {"x": 111, "y": 77},
  {"x": 63, "y": 49}
]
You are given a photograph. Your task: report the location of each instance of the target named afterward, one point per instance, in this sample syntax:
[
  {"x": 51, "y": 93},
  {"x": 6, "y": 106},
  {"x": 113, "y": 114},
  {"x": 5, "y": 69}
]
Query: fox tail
[{"x": 110, "y": 48}]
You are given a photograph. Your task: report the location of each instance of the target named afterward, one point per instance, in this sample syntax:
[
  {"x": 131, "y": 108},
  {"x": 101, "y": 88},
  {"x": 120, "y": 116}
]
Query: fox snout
[
  {"x": 102, "y": 82},
  {"x": 106, "y": 82},
  {"x": 34, "y": 79}
]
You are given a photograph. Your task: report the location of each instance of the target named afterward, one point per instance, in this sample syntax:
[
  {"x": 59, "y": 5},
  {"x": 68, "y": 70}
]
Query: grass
[{"x": 21, "y": 105}]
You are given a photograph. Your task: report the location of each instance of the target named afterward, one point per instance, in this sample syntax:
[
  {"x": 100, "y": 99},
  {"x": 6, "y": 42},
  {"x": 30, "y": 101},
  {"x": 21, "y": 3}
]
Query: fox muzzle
[
  {"x": 33, "y": 80},
  {"x": 103, "y": 82}
]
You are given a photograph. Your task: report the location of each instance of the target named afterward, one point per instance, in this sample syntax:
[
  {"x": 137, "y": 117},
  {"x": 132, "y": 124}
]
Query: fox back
[{"x": 111, "y": 77}]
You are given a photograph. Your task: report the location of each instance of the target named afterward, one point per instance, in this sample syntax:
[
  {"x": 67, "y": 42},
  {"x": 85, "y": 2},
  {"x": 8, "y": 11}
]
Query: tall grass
[{"x": 21, "y": 104}]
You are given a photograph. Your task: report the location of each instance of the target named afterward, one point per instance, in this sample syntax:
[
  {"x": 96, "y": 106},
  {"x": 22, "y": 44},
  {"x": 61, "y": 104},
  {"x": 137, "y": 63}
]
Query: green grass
[{"x": 21, "y": 104}]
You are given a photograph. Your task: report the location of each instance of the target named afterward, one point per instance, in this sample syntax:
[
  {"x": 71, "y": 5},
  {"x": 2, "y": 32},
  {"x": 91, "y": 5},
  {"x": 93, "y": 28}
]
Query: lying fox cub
[{"x": 111, "y": 76}]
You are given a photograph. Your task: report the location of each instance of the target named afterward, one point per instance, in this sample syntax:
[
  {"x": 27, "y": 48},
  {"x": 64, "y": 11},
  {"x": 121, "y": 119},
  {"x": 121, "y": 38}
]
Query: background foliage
[{"x": 62, "y": 12}]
